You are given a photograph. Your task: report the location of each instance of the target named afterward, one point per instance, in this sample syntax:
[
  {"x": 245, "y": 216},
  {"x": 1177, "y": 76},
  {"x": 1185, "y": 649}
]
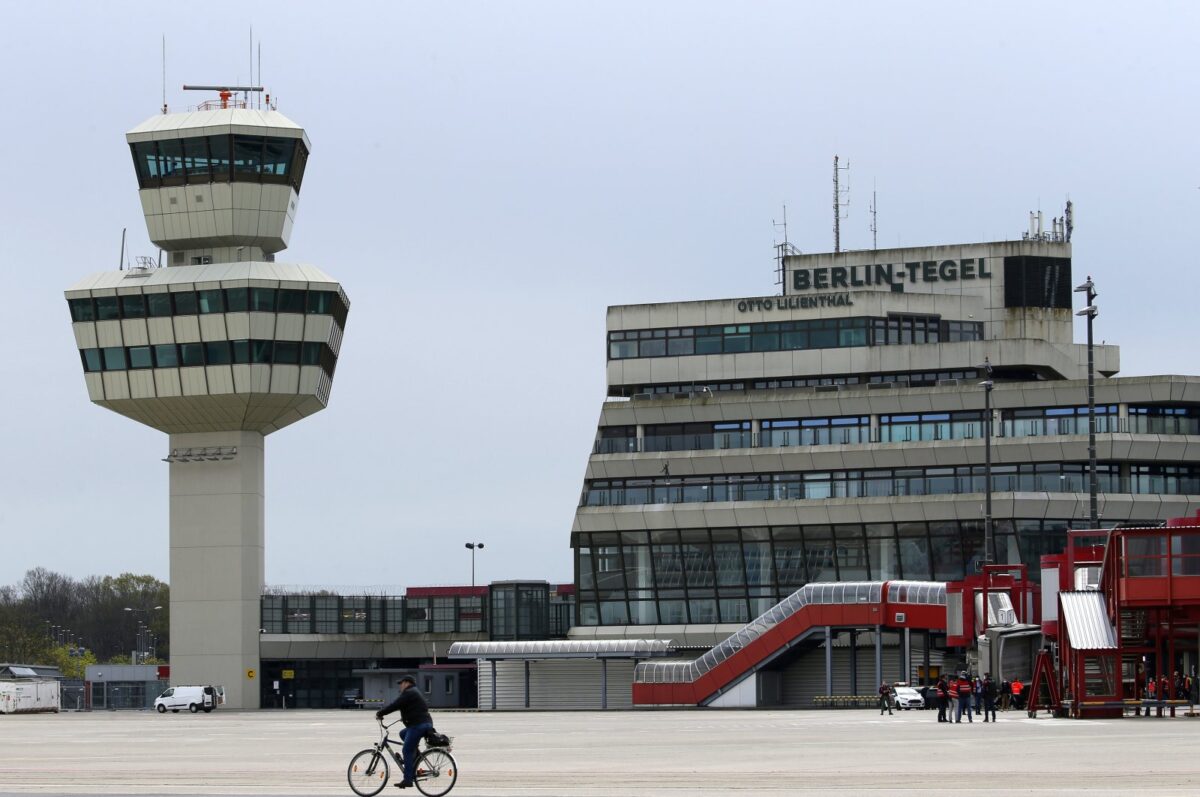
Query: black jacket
[{"x": 412, "y": 707}]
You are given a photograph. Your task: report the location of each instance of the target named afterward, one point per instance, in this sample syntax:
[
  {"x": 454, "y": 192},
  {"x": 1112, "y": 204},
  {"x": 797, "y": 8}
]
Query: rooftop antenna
[
  {"x": 838, "y": 203},
  {"x": 782, "y": 250},
  {"x": 1069, "y": 219},
  {"x": 164, "y": 71},
  {"x": 874, "y": 221}
]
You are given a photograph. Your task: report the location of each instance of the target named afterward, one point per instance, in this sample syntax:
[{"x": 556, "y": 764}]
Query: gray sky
[{"x": 486, "y": 178}]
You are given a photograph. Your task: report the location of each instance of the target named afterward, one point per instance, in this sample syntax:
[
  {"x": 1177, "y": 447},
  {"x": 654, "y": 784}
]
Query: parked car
[
  {"x": 351, "y": 698},
  {"x": 906, "y": 697}
]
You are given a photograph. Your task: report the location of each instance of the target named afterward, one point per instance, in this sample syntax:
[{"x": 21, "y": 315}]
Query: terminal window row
[
  {"x": 825, "y": 333},
  {"x": 220, "y": 159},
  {"x": 1053, "y": 477},
  {"x": 904, "y": 379},
  {"x": 731, "y": 575},
  {"x": 927, "y": 426},
  {"x": 363, "y": 614},
  {"x": 210, "y": 301},
  {"x": 213, "y": 352}
]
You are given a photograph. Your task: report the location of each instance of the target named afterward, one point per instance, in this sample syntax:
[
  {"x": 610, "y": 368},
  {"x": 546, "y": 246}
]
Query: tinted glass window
[
  {"x": 260, "y": 351},
  {"x": 158, "y": 304},
  {"x": 165, "y": 355},
  {"x": 133, "y": 306},
  {"x": 262, "y": 299},
  {"x": 287, "y": 351},
  {"x": 247, "y": 154},
  {"x": 291, "y": 301},
  {"x": 277, "y": 155},
  {"x": 195, "y": 159},
  {"x": 218, "y": 152},
  {"x": 210, "y": 301},
  {"x": 114, "y": 358},
  {"x": 185, "y": 303},
  {"x": 310, "y": 354},
  {"x": 191, "y": 353},
  {"x": 106, "y": 308},
  {"x": 139, "y": 357},
  {"x": 217, "y": 352},
  {"x": 91, "y": 359},
  {"x": 145, "y": 158},
  {"x": 170, "y": 159},
  {"x": 241, "y": 351},
  {"x": 236, "y": 299},
  {"x": 82, "y": 310},
  {"x": 320, "y": 302}
]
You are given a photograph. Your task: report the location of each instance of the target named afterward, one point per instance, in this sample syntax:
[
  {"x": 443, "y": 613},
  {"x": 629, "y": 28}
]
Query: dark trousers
[
  {"x": 412, "y": 738},
  {"x": 885, "y": 704},
  {"x": 989, "y": 707},
  {"x": 941, "y": 704}
]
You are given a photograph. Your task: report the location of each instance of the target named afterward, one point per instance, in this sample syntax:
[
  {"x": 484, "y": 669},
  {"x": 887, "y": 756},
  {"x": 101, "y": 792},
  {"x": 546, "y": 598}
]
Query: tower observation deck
[{"x": 220, "y": 348}]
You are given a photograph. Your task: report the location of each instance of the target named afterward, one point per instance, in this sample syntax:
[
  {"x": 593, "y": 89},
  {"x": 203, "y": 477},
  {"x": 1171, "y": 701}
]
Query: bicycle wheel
[
  {"x": 367, "y": 773},
  {"x": 437, "y": 772}
]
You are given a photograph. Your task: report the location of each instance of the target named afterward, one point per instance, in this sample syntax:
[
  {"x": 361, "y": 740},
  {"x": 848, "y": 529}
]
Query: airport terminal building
[{"x": 749, "y": 446}]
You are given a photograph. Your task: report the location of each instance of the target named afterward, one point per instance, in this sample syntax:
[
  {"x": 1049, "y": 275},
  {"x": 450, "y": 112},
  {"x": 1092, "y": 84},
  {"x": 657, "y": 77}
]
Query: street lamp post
[
  {"x": 1091, "y": 311},
  {"x": 472, "y": 546},
  {"x": 987, "y": 385},
  {"x": 138, "y": 639}
]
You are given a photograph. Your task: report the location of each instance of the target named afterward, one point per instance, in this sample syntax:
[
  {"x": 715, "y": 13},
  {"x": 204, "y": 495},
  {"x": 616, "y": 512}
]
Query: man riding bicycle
[{"x": 414, "y": 712}]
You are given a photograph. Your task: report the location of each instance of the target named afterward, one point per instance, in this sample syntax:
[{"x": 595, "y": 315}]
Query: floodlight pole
[
  {"x": 987, "y": 461},
  {"x": 1091, "y": 311},
  {"x": 472, "y": 546}
]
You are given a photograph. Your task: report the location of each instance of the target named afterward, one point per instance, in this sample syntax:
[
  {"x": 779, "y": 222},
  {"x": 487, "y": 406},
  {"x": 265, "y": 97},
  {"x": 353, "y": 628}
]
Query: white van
[{"x": 193, "y": 698}]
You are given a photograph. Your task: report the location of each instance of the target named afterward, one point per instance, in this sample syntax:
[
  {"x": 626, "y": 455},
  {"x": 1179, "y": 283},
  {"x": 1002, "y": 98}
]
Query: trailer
[{"x": 29, "y": 697}]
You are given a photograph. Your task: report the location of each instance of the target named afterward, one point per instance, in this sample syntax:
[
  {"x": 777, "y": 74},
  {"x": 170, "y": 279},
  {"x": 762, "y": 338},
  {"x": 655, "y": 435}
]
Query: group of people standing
[
  {"x": 965, "y": 695},
  {"x": 1181, "y": 687}
]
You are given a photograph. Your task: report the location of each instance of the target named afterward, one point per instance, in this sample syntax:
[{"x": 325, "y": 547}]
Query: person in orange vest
[
  {"x": 1017, "y": 688},
  {"x": 1164, "y": 687},
  {"x": 1151, "y": 693}
]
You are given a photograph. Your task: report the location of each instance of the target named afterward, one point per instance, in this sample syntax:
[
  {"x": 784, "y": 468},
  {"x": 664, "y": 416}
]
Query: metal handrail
[{"x": 843, "y": 592}]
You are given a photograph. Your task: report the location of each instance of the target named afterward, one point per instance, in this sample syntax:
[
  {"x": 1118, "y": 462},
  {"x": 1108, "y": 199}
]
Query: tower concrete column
[{"x": 217, "y": 561}]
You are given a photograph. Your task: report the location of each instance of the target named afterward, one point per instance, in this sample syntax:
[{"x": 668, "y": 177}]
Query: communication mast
[
  {"x": 840, "y": 200},
  {"x": 783, "y": 249},
  {"x": 874, "y": 222}
]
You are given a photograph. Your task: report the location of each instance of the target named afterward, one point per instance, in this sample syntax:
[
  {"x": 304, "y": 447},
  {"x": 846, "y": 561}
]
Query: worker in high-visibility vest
[{"x": 1017, "y": 688}]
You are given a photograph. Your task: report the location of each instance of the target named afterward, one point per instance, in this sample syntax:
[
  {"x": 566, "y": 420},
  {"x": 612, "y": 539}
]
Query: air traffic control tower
[{"x": 218, "y": 346}]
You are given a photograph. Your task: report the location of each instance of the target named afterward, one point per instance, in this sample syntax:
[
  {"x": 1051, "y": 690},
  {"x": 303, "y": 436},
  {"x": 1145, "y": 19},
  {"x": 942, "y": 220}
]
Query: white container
[{"x": 28, "y": 697}]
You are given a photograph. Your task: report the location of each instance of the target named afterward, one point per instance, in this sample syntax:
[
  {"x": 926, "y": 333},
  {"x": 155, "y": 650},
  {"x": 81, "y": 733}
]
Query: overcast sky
[{"x": 486, "y": 178}]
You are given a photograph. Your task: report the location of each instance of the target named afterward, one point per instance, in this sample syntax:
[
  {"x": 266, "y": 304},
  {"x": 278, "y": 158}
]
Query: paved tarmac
[{"x": 589, "y": 754}]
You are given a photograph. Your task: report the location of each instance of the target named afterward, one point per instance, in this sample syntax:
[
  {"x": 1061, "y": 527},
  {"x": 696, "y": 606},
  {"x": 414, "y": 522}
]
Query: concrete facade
[
  {"x": 219, "y": 349},
  {"x": 751, "y": 445}
]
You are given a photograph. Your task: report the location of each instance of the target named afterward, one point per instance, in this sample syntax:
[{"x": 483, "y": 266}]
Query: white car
[{"x": 906, "y": 697}]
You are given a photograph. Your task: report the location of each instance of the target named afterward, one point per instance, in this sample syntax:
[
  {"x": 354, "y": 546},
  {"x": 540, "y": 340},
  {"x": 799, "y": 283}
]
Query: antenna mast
[
  {"x": 782, "y": 250},
  {"x": 164, "y": 65},
  {"x": 838, "y": 203},
  {"x": 874, "y": 222}
]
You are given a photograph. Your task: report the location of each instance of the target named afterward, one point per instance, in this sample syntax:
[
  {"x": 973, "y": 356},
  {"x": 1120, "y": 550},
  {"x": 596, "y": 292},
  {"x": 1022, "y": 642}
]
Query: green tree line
[{"x": 50, "y": 618}]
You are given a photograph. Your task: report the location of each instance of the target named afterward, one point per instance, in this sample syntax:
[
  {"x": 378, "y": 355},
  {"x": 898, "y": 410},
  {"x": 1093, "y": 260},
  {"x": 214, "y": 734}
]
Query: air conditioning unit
[{"x": 901, "y": 617}]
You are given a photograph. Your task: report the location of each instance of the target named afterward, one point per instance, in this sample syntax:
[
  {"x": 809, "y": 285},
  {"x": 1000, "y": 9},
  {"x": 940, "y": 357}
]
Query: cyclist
[{"x": 414, "y": 712}]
